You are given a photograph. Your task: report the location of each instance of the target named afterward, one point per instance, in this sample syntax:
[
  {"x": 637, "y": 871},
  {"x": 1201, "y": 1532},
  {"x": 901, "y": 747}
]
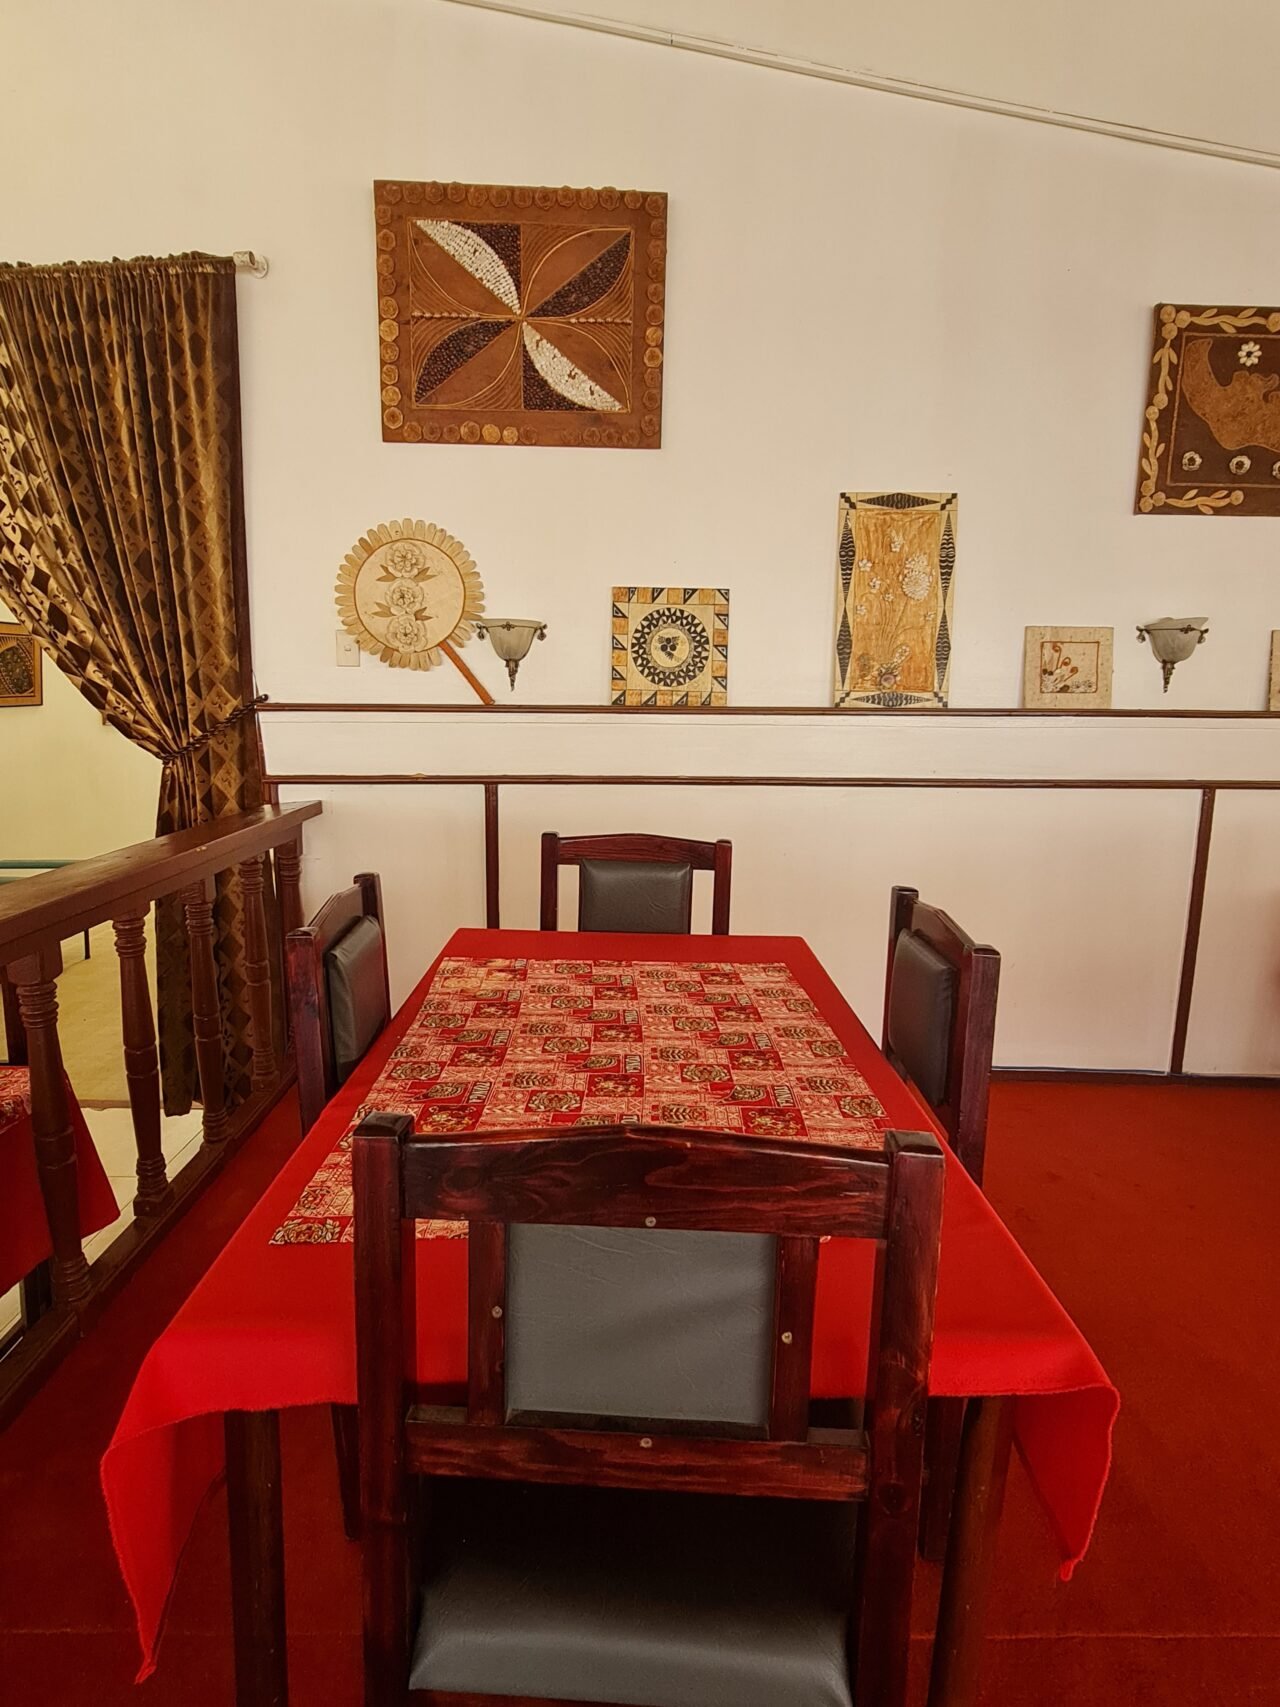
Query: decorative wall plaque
[
  {"x": 1211, "y": 438},
  {"x": 510, "y": 315},
  {"x": 896, "y": 558},
  {"x": 20, "y": 662},
  {"x": 670, "y": 646},
  {"x": 1273, "y": 680},
  {"x": 1068, "y": 669},
  {"x": 410, "y": 592}
]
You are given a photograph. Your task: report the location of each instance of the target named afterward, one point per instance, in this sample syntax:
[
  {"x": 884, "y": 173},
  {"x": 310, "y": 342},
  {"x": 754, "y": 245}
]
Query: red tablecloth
[
  {"x": 273, "y": 1324},
  {"x": 24, "y": 1227}
]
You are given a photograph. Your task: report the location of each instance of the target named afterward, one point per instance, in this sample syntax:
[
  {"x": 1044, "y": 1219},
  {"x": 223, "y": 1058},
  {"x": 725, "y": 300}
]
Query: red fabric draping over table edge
[
  {"x": 273, "y": 1325},
  {"x": 24, "y": 1226}
]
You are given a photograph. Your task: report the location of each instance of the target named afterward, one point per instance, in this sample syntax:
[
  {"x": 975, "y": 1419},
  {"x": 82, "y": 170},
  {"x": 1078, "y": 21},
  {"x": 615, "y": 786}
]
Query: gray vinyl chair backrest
[
  {"x": 639, "y": 1324},
  {"x": 355, "y": 983},
  {"x": 922, "y": 1006},
  {"x": 635, "y": 895}
]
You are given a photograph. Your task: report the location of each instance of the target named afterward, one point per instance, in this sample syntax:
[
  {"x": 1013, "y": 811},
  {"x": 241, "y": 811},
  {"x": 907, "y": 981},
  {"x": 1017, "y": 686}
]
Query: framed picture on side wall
[
  {"x": 1273, "y": 681},
  {"x": 20, "y": 682},
  {"x": 1067, "y": 669}
]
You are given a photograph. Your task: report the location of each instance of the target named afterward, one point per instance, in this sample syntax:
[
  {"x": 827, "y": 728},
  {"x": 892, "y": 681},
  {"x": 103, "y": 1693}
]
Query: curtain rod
[
  {"x": 762, "y": 57},
  {"x": 248, "y": 262}
]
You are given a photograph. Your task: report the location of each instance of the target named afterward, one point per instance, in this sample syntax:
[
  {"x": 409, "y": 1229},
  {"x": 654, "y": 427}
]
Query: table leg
[
  {"x": 255, "y": 1523},
  {"x": 971, "y": 1548}
]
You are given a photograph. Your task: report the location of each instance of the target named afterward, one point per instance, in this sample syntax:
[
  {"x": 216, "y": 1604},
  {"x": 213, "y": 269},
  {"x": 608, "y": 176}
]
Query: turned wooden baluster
[
  {"x": 35, "y": 979},
  {"x": 288, "y": 862},
  {"x": 289, "y": 886},
  {"x": 141, "y": 1062},
  {"x": 257, "y": 972},
  {"x": 206, "y": 1010}
]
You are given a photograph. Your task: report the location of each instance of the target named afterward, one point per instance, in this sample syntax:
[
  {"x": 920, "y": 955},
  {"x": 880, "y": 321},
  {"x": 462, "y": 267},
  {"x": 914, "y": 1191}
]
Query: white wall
[
  {"x": 1167, "y": 65},
  {"x": 72, "y": 785},
  {"x": 862, "y": 292}
]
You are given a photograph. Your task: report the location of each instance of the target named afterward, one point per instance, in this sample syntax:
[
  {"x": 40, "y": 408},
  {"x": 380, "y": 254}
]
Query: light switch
[{"x": 348, "y": 651}]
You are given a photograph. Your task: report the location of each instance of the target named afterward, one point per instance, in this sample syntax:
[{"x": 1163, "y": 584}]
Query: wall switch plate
[{"x": 348, "y": 651}]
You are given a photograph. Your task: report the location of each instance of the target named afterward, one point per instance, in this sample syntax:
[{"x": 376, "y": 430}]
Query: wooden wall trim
[
  {"x": 1191, "y": 940},
  {"x": 400, "y": 708},
  {"x": 481, "y": 779}
]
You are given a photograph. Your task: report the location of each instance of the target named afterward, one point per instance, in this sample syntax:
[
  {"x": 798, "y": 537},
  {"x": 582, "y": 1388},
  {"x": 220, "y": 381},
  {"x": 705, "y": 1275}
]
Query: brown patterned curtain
[{"x": 122, "y": 548}]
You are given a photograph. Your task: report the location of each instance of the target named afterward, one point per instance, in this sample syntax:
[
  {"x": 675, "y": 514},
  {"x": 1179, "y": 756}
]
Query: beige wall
[
  {"x": 1165, "y": 65},
  {"x": 72, "y": 786}
]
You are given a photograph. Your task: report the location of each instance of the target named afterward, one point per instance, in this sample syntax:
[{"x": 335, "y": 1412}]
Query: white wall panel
[
  {"x": 1084, "y": 894},
  {"x": 1235, "y": 1013},
  {"x": 604, "y": 744},
  {"x": 427, "y": 845}
]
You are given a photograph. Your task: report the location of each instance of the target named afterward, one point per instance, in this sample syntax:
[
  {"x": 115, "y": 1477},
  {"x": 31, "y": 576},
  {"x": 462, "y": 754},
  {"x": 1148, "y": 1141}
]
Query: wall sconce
[
  {"x": 1173, "y": 639},
  {"x": 512, "y": 637}
]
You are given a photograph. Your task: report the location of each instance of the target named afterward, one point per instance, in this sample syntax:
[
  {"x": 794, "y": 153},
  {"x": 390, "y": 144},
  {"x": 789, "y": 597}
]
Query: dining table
[{"x": 509, "y": 1028}]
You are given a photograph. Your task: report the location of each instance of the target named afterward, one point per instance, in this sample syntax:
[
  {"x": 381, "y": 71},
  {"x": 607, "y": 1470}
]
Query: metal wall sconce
[
  {"x": 1173, "y": 639},
  {"x": 511, "y": 637}
]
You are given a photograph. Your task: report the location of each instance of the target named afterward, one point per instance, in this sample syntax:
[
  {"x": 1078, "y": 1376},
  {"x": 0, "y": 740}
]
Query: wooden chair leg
[
  {"x": 943, "y": 1430},
  {"x": 346, "y": 1445}
]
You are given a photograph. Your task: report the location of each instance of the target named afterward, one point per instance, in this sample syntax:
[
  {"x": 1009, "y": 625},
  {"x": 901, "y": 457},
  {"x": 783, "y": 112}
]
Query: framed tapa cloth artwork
[
  {"x": 1068, "y": 669},
  {"x": 20, "y": 662},
  {"x": 516, "y": 316},
  {"x": 670, "y": 646},
  {"x": 1211, "y": 432},
  {"x": 895, "y": 565}
]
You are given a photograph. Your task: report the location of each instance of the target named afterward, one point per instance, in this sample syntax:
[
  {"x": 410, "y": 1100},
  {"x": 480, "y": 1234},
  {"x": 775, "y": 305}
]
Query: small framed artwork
[
  {"x": 20, "y": 682},
  {"x": 895, "y": 571},
  {"x": 1067, "y": 669},
  {"x": 670, "y": 646},
  {"x": 1273, "y": 687}
]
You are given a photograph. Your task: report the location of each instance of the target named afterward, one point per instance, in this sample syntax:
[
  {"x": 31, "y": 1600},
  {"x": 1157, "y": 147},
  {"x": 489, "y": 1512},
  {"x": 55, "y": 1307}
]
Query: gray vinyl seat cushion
[
  {"x": 665, "y": 1600},
  {"x": 357, "y": 990},
  {"x": 635, "y": 895},
  {"x": 922, "y": 1004}
]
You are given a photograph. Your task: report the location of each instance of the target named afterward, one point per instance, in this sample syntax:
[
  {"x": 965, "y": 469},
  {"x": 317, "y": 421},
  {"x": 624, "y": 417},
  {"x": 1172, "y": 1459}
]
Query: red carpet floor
[{"x": 1151, "y": 1210}]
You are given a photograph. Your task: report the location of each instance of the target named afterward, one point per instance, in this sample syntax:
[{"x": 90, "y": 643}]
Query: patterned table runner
[{"x": 511, "y": 1043}]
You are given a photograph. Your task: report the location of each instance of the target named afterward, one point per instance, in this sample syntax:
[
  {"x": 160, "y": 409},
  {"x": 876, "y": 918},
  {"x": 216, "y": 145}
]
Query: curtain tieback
[{"x": 173, "y": 754}]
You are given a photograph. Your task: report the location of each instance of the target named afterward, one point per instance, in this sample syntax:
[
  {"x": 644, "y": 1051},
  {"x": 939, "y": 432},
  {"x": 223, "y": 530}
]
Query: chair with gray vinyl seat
[
  {"x": 632, "y": 1507},
  {"x": 339, "y": 1002},
  {"x": 635, "y": 882},
  {"x": 339, "y": 991},
  {"x": 939, "y": 1033},
  {"x": 940, "y": 1018}
]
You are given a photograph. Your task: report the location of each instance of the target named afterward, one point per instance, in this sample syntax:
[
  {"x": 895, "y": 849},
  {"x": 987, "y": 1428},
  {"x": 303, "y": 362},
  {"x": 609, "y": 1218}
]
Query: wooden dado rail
[{"x": 36, "y": 915}]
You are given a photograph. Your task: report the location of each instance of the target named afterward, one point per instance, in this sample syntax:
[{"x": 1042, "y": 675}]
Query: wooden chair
[
  {"x": 635, "y": 883},
  {"x": 339, "y": 1001},
  {"x": 339, "y": 991},
  {"x": 940, "y": 1018},
  {"x": 583, "y": 1532},
  {"x": 939, "y": 1031}
]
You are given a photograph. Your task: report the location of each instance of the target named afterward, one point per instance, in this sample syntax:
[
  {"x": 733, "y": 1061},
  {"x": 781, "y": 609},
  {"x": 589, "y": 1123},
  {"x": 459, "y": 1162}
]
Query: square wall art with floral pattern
[
  {"x": 895, "y": 559},
  {"x": 670, "y": 646},
  {"x": 1068, "y": 669},
  {"x": 515, "y": 315}
]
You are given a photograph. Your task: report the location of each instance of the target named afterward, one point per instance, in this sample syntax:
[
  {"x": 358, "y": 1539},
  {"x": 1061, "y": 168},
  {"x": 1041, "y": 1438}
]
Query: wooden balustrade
[{"x": 36, "y": 916}]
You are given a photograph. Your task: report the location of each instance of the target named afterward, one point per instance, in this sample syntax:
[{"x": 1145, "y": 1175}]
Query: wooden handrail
[
  {"x": 261, "y": 853},
  {"x": 42, "y": 911}
]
